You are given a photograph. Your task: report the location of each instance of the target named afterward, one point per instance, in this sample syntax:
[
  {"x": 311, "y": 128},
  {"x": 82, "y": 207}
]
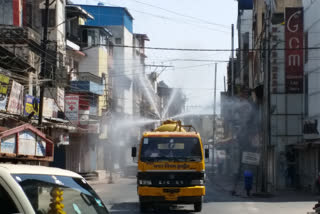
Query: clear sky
[{"x": 209, "y": 29}]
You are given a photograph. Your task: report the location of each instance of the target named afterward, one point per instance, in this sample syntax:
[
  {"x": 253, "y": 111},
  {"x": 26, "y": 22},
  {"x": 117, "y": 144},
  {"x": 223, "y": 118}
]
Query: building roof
[
  {"x": 42, "y": 170},
  {"x": 123, "y": 8},
  {"x": 142, "y": 36},
  {"x": 79, "y": 10}
]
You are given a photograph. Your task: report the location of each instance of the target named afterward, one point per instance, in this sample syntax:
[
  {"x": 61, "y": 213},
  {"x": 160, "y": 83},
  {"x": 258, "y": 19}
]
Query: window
[
  {"x": 171, "y": 148},
  {"x": 76, "y": 195},
  {"x": 110, "y": 49},
  {"x": 118, "y": 41},
  {"x": 6, "y": 203}
]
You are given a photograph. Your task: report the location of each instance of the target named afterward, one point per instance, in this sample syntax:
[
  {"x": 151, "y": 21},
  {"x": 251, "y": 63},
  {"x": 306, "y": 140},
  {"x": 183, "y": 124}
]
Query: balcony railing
[
  {"x": 86, "y": 86},
  {"x": 19, "y": 35},
  {"x": 87, "y": 76}
]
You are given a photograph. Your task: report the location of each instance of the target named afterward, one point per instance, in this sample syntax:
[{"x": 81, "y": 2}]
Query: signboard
[
  {"x": 8, "y": 144},
  {"x": 27, "y": 143},
  {"x": 4, "y": 85},
  {"x": 84, "y": 111},
  {"x": 72, "y": 108},
  {"x": 15, "y": 104},
  {"x": 48, "y": 107},
  {"x": 251, "y": 158},
  {"x": 31, "y": 104},
  {"x": 41, "y": 147},
  {"x": 64, "y": 139},
  {"x": 294, "y": 50},
  {"x": 221, "y": 154}
]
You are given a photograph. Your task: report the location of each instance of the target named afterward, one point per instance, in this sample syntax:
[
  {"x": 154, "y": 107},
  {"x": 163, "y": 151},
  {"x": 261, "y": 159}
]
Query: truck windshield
[
  {"x": 55, "y": 194},
  {"x": 171, "y": 149}
]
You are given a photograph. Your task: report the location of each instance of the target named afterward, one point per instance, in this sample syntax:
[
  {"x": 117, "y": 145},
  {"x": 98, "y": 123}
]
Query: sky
[{"x": 204, "y": 24}]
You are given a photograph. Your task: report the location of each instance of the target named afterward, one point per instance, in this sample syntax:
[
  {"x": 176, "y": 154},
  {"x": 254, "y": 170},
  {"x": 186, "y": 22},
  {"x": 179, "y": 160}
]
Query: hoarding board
[
  {"x": 4, "y": 85},
  {"x": 31, "y": 104},
  {"x": 15, "y": 103},
  {"x": 72, "y": 108},
  {"x": 251, "y": 158},
  {"x": 48, "y": 107},
  {"x": 294, "y": 50}
]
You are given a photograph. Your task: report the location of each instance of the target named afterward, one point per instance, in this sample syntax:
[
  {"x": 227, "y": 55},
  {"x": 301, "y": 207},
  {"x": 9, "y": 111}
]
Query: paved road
[{"x": 121, "y": 198}]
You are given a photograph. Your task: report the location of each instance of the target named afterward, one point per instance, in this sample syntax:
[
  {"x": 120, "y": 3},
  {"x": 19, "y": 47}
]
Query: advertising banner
[
  {"x": 294, "y": 50},
  {"x": 15, "y": 104},
  {"x": 4, "y": 85}
]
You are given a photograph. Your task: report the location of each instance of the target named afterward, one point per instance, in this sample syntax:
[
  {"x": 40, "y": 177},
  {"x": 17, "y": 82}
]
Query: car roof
[{"x": 40, "y": 170}]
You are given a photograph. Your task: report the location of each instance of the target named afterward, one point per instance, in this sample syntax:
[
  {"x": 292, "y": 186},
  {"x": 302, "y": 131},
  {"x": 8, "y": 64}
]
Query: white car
[{"x": 46, "y": 190}]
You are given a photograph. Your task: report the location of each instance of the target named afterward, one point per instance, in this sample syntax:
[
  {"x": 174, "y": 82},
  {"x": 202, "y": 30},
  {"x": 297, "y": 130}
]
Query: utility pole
[
  {"x": 224, "y": 83},
  {"x": 232, "y": 60},
  {"x": 43, "y": 72},
  {"x": 214, "y": 114},
  {"x": 267, "y": 99},
  {"x": 214, "y": 101}
]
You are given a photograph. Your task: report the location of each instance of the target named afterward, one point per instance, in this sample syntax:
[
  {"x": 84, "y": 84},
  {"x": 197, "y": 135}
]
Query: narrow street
[{"x": 121, "y": 198}]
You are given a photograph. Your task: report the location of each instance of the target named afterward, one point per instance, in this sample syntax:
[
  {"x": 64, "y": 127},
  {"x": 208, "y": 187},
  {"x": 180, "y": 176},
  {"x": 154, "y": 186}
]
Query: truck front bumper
[{"x": 183, "y": 195}]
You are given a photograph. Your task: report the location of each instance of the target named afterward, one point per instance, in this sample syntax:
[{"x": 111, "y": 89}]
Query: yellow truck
[{"x": 171, "y": 166}]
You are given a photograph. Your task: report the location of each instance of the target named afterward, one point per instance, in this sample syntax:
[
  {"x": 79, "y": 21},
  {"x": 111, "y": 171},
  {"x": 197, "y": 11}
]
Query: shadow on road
[{"x": 133, "y": 207}]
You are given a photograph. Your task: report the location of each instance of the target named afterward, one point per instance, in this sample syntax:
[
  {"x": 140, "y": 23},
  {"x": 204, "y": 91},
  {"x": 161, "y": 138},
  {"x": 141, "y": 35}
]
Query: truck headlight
[
  {"x": 197, "y": 182},
  {"x": 145, "y": 182}
]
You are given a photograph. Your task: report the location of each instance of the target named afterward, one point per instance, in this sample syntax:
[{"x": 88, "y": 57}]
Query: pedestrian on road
[{"x": 248, "y": 180}]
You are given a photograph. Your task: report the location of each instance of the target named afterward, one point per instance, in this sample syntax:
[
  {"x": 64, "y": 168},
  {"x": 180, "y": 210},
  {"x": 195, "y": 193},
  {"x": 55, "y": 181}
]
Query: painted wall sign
[
  {"x": 4, "y": 85},
  {"x": 15, "y": 103},
  {"x": 294, "y": 50}
]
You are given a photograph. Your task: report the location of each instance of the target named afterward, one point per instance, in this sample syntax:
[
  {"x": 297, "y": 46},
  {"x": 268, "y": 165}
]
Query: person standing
[{"x": 248, "y": 180}]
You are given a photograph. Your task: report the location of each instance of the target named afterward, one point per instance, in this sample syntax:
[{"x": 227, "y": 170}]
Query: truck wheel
[
  {"x": 143, "y": 207},
  {"x": 198, "y": 207}
]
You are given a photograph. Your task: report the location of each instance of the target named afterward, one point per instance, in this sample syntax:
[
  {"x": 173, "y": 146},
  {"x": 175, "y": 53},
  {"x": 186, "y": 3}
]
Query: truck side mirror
[{"x": 134, "y": 152}]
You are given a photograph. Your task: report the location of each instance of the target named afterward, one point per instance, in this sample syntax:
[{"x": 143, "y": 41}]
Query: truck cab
[
  {"x": 46, "y": 190},
  {"x": 171, "y": 166}
]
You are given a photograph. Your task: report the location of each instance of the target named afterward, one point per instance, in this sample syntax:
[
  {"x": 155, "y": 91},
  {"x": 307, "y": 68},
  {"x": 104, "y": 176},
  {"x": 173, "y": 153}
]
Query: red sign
[{"x": 294, "y": 50}]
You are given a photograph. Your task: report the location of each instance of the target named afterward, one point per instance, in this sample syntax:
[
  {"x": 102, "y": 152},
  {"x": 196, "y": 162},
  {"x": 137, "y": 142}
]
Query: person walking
[{"x": 248, "y": 180}]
